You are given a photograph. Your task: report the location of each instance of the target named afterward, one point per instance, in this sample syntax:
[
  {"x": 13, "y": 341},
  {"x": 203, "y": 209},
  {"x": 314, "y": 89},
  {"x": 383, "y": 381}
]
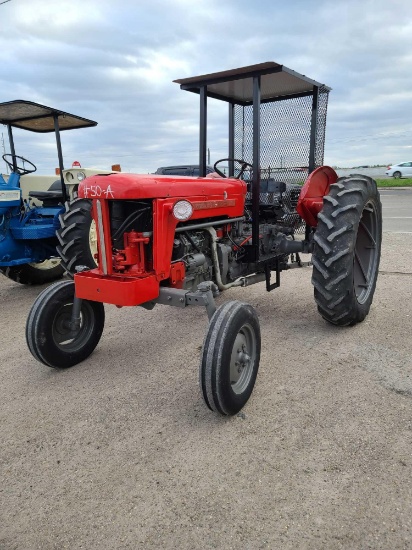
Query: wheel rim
[
  {"x": 366, "y": 253},
  {"x": 66, "y": 339},
  {"x": 397, "y": 175},
  {"x": 47, "y": 264},
  {"x": 242, "y": 359}
]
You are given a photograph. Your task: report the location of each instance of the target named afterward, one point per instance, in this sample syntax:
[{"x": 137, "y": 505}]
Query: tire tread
[{"x": 335, "y": 239}]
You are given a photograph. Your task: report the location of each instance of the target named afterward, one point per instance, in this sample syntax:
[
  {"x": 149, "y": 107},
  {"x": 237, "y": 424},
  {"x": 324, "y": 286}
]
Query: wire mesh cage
[
  {"x": 277, "y": 122},
  {"x": 284, "y": 136}
]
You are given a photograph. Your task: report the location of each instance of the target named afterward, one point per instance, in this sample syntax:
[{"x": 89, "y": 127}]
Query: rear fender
[{"x": 317, "y": 185}]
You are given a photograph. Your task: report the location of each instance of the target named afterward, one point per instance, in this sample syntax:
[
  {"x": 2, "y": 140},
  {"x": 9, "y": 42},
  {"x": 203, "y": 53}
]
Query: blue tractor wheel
[{"x": 34, "y": 274}]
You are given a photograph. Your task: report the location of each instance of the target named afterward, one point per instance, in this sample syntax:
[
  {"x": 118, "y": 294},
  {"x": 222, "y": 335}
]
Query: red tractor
[{"x": 179, "y": 241}]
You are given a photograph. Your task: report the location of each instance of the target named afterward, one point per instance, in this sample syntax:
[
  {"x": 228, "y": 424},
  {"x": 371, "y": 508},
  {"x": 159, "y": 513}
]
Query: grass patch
[{"x": 391, "y": 182}]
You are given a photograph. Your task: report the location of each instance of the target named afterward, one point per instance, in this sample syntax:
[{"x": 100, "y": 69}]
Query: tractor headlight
[
  {"x": 69, "y": 176},
  {"x": 182, "y": 210},
  {"x": 81, "y": 176}
]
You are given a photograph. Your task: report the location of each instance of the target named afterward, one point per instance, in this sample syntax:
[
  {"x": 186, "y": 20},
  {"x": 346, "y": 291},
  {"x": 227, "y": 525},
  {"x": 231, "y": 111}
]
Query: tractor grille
[{"x": 129, "y": 215}]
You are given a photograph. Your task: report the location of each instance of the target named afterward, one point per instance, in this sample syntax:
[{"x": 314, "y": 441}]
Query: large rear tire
[
  {"x": 77, "y": 236},
  {"x": 230, "y": 358},
  {"x": 35, "y": 274},
  {"x": 51, "y": 339},
  {"x": 347, "y": 250}
]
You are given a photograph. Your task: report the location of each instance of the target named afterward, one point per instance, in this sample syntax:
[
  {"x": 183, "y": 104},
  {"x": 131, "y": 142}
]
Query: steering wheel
[
  {"x": 243, "y": 164},
  {"x": 21, "y": 170}
]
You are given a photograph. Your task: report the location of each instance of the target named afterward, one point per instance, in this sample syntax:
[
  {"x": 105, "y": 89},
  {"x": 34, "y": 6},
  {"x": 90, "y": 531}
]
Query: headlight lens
[
  {"x": 81, "y": 176},
  {"x": 182, "y": 210}
]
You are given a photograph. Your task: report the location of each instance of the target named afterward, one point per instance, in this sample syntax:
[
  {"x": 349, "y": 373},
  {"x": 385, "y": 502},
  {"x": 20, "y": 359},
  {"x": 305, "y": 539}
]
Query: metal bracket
[
  {"x": 203, "y": 296},
  {"x": 76, "y": 318},
  {"x": 276, "y": 284},
  {"x": 81, "y": 268}
]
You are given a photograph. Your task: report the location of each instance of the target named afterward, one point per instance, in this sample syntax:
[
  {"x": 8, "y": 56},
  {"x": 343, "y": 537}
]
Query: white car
[{"x": 401, "y": 170}]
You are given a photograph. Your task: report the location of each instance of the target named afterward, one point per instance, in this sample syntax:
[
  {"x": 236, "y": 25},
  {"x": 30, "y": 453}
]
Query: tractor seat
[
  {"x": 268, "y": 188},
  {"x": 269, "y": 185},
  {"x": 52, "y": 197}
]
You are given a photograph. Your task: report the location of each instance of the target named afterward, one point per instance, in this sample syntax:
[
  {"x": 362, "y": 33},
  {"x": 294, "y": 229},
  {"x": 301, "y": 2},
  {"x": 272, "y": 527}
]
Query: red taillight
[{"x": 389, "y": 167}]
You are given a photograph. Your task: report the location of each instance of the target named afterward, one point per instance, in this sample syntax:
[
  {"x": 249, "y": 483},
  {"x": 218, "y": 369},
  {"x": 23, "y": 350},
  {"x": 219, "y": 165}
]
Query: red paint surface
[
  {"x": 317, "y": 185},
  {"x": 131, "y": 279}
]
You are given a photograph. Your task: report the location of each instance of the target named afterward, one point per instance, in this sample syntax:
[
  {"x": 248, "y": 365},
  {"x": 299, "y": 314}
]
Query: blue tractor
[{"x": 28, "y": 225}]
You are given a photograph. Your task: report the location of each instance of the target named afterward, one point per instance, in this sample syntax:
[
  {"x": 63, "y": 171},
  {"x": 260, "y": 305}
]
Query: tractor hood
[{"x": 152, "y": 186}]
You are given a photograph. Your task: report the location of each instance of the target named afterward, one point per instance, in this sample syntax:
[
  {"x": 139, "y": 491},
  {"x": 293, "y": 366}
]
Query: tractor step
[{"x": 34, "y": 231}]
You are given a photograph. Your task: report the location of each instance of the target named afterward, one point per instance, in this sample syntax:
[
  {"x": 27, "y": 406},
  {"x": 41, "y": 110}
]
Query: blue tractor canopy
[{"x": 34, "y": 117}]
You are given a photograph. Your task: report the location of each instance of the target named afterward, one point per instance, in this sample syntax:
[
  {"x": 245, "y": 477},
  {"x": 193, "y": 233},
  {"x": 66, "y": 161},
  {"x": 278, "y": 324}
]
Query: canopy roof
[
  {"x": 236, "y": 85},
  {"x": 39, "y": 118}
]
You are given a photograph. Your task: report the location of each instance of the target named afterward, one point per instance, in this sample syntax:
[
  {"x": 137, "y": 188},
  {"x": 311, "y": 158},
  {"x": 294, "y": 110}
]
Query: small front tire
[
  {"x": 48, "y": 333},
  {"x": 230, "y": 358}
]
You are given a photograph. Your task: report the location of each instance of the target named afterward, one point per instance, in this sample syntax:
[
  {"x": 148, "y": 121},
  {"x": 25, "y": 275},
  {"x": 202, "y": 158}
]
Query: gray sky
[{"x": 114, "y": 61}]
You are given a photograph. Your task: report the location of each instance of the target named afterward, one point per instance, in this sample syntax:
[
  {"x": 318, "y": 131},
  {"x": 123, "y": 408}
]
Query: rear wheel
[
  {"x": 397, "y": 175},
  {"x": 347, "y": 250},
  {"x": 230, "y": 358},
  {"x": 49, "y": 334},
  {"x": 77, "y": 236},
  {"x": 35, "y": 273}
]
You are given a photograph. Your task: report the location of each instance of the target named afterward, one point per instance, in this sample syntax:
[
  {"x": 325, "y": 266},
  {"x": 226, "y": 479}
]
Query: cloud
[{"x": 114, "y": 62}]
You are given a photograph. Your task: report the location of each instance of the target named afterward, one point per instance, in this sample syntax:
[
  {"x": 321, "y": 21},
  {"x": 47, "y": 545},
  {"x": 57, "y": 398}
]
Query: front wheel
[
  {"x": 34, "y": 273},
  {"x": 347, "y": 250},
  {"x": 49, "y": 334},
  {"x": 230, "y": 358}
]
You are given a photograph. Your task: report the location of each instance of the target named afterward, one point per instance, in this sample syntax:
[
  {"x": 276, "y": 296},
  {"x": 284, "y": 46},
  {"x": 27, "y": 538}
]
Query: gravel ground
[{"x": 120, "y": 451}]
